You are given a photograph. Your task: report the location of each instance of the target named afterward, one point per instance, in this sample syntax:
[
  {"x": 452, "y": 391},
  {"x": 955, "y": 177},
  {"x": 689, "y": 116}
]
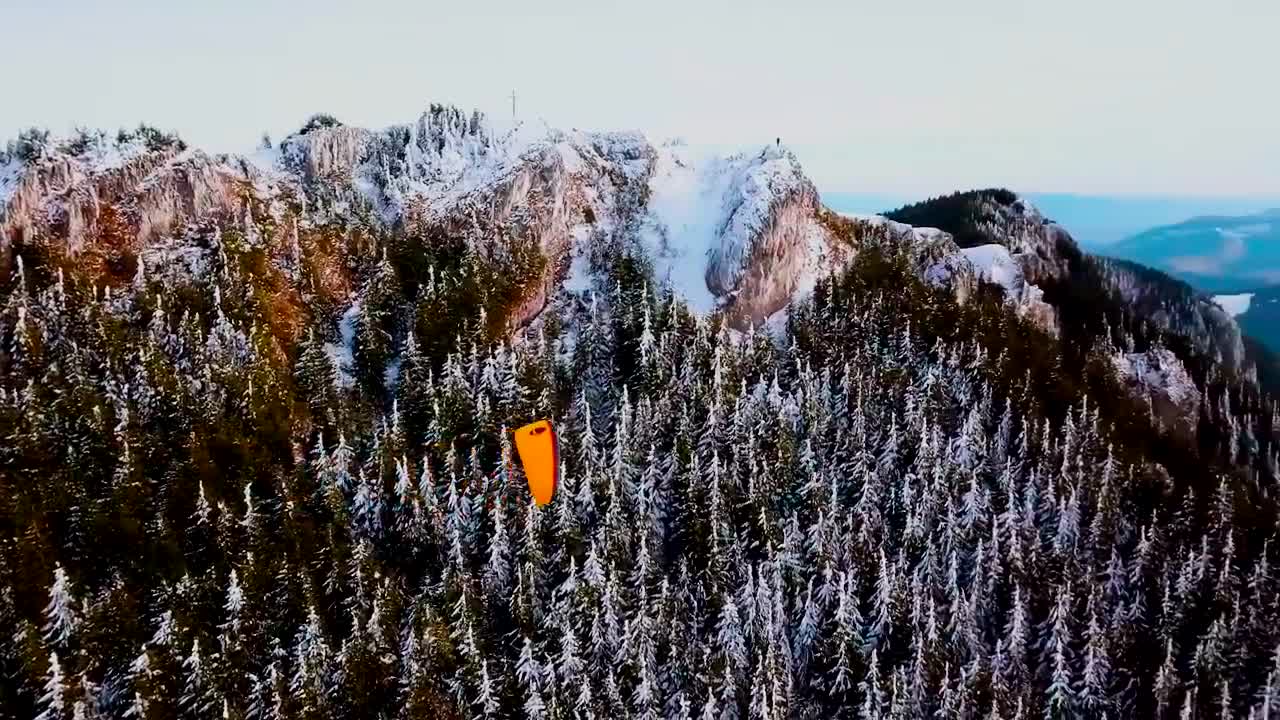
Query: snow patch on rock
[
  {"x": 738, "y": 230},
  {"x": 933, "y": 252},
  {"x": 342, "y": 353},
  {"x": 10, "y": 174},
  {"x": 1235, "y": 305},
  {"x": 1035, "y": 241},
  {"x": 1159, "y": 378},
  {"x": 994, "y": 264}
]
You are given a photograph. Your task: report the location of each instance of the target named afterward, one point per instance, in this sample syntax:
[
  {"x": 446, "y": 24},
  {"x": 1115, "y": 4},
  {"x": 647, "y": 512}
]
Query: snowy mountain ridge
[
  {"x": 745, "y": 234},
  {"x": 739, "y": 232},
  {"x": 703, "y": 219}
]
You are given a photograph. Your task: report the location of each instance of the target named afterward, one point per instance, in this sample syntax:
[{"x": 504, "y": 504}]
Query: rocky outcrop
[
  {"x": 555, "y": 194},
  {"x": 143, "y": 194},
  {"x": 1176, "y": 307},
  {"x": 941, "y": 262},
  {"x": 1041, "y": 246},
  {"x": 788, "y": 254},
  {"x": 63, "y": 195},
  {"x": 755, "y": 217},
  {"x": 1225, "y": 335},
  {"x": 1157, "y": 377},
  {"x": 933, "y": 254},
  {"x": 194, "y": 186},
  {"x": 766, "y": 200},
  {"x": 994, "y": 264},
  {"x": 741, "y": 233},
  {"x": 326, "y": 154}
]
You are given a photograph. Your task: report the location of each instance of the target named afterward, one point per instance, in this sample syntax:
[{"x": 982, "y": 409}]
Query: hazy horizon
[
  {"x": 1091, "y": 98},
  {"x": 1095, "y": 221}
]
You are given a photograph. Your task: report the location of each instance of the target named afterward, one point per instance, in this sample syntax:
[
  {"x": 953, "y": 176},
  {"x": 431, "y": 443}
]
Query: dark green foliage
[
  {"x": 317, "y": 122},
  {"x": 1267, "y": 362},
  {"x": 377, "y": 325},
  {"x": 208, "y": 478},
  {"x": 30, "y": 145},
  {"x": 156, "y": 139},
  {"x": 81, "y": 140},
  {"x": 957, "y": 213}
]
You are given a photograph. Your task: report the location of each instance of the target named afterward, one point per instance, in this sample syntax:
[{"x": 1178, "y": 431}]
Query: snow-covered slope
[
  {"x": 996, "y": 265},
  {"x": 739, "y": 233},
  {"x": 1236, "y": 305},
  {"x": 943, "y": 262},
  {"x": 740, "y": 230}
]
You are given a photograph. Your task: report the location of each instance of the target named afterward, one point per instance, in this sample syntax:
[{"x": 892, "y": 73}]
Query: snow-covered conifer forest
[{"x": 257, "y": 463}]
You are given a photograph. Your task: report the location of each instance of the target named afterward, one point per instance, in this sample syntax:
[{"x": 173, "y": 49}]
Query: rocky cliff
[
  {"x": 744, "y": 234},
  {"x": 738, "y": 233},
  {"x": 1159, "y": 379}
]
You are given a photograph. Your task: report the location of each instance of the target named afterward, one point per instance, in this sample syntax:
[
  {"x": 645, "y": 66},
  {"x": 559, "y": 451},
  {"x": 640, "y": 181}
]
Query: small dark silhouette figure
[{"x": 777, "y": 141}]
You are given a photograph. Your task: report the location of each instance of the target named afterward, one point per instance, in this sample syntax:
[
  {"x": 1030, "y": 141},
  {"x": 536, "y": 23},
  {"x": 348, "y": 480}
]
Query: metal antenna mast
[{"x": 513, "y": 105}]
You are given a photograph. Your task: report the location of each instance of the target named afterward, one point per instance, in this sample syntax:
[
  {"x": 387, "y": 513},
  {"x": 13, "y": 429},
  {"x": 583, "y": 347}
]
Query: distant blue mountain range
[
  {"x": 1217, "y": 253},
  {"x": 1095, "y": 221}
]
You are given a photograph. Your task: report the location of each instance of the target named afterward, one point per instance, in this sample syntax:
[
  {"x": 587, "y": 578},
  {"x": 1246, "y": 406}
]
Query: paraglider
[{"x": 540, "y": 455}]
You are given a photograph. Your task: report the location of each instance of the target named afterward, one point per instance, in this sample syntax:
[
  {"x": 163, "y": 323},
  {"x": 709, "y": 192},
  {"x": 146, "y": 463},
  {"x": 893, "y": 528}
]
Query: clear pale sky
[{"x": 916, "y": 96}]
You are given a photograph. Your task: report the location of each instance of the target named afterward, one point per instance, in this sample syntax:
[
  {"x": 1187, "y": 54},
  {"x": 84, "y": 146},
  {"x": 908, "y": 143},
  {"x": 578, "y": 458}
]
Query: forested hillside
[
  {"x": 256, "y": 462},
  {"x": 905, "y": 507},
  {"x": 1095, "y": 296}
]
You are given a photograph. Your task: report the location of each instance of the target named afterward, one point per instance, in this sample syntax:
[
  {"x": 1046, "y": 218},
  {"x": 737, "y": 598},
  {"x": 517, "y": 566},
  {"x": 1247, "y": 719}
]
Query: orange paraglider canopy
[{"x": 540, "y": 454}]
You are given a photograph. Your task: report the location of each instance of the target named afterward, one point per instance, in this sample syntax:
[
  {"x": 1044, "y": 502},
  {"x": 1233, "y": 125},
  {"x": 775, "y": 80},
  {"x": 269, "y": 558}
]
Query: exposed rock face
[
  {"x": 1026, "y": 251},
  {"x": 789, "y": 253},
  {"x": 769, "y": 203},
  {"x": 63, "y": 194},
  {"x": 1190, "y": 314},
  {"x": 1159, "y": 378},
  {"x": 933, "y": 253},
  {"x": 1227, "y": 339},
  {"x": 996, "y": 265},
  {"x": 554, "y": 195},
  {"x": 741, "y": 233},
  {"x": 326, "y": 154},
  {"x": 744, "y": 234},
  {"x": 148, "y": 194},
  {"x": 943, "y": 263},
  {"x": 1039, "y": 245},
  {"x": 191, "y": 186}
]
